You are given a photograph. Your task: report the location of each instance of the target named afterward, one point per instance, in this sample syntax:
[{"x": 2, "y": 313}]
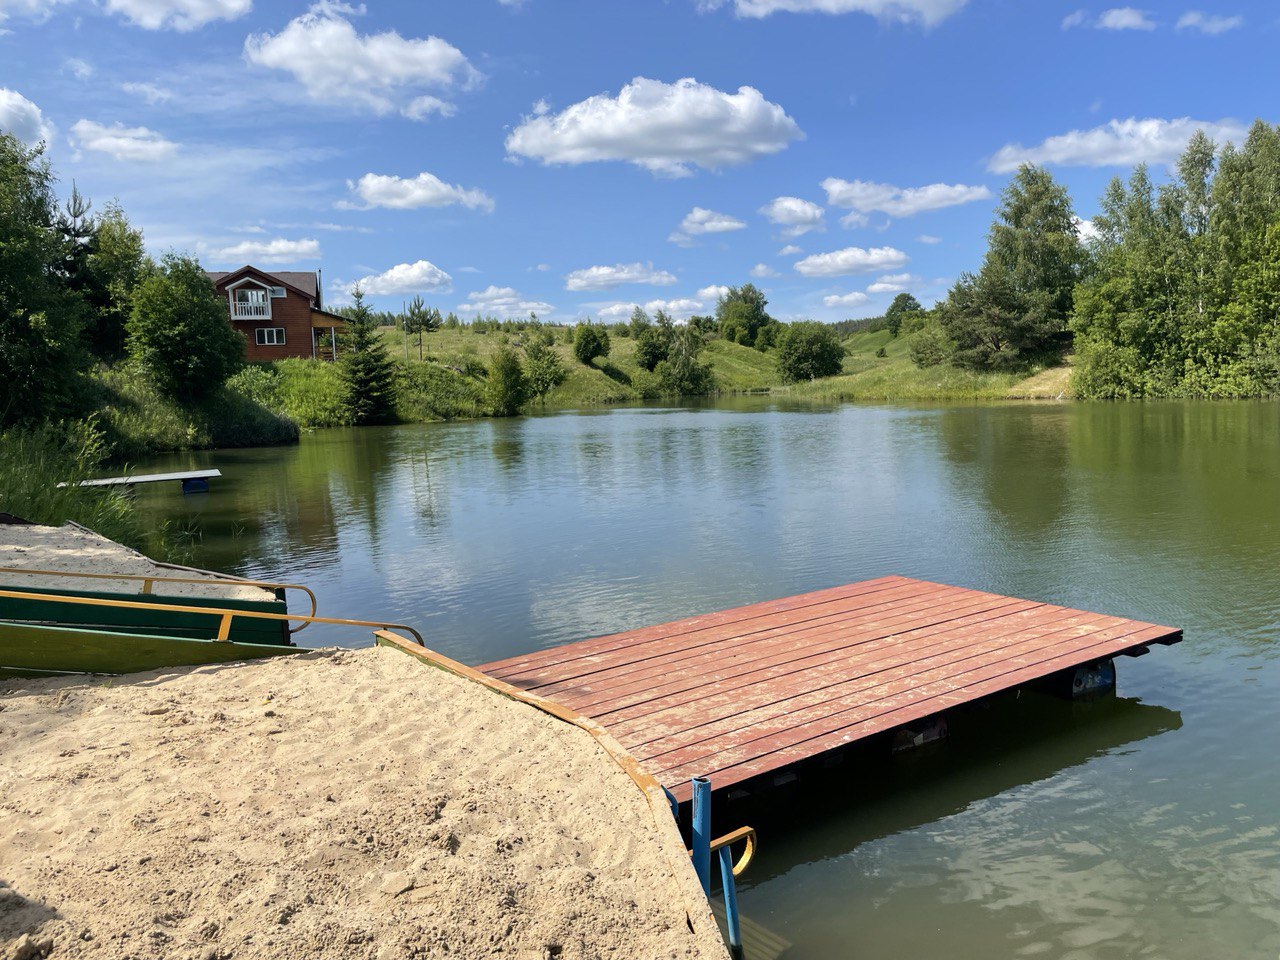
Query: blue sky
[{"x": 576, "y": 157}]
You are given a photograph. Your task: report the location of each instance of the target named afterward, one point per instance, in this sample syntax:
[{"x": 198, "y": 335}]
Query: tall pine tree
[{"x": 368, "y": 372}]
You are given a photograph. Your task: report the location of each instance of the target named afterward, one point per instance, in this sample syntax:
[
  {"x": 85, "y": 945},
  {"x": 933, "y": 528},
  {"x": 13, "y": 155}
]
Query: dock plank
[{"x": 741, "y": 693}]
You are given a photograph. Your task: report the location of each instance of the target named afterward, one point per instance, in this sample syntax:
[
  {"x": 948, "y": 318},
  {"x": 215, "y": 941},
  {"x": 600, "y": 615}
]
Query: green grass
[{"x": 137, "y": 420}]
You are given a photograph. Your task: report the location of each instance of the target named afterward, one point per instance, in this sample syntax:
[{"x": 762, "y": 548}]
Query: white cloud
[
  {"x": 22, "y": 118},
  {"x": 713, "y": 292},
  {"x": 278, "y": 250},
  {"x": 503, "y": 302},
  {"x": 150, "y": 92},
  {"x": 1077, "y": 19},
  {"x": 864, "y": 197},
  {"x": 35, "y": 10},
  {"x": 680, "y": 308},
  {"x": 763, "y": 271},
  {"x": 543, "y": 267},
  {"x": 1207, "y": 23},
  {"x": 422, "y": 276},
  {"x": 421, "y": 108},
  {"x": 1124, "y": 18},
  {"x": 80, "y": 69},
  {"x": 893, "y": 283},
  {"x": 1116, "y": 143},
  {"x": 606, "y": 278},
  {"x": 667, "y": 128},
  {"x": 700, "y": 221},
  {"x": 845, "y": 299},
  {"x": 1086, "y": 229},
  {"x": 789, "y": 250},
  {"x": 927, "y": 238},
  {"x": 839, "y": 263},
  {"x": 178, "y": 14},
  {"x": 926, "y": 12},
  {"x": 796, "y": 216},
  {"x": 541, "y": 107},
  {"x": 382, "y": 71},
  {"x": 121, "y": 142},
  {"x": 424, "y": 190}
]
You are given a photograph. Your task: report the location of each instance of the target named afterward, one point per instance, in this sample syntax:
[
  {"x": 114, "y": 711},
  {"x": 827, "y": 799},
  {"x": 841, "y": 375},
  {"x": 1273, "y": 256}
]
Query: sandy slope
[{"x": 355, "y": 804}]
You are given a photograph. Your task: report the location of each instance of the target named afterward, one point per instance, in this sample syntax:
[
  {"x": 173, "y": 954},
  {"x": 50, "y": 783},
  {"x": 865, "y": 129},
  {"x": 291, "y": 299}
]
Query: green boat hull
[{"x": 29, "y": 650}]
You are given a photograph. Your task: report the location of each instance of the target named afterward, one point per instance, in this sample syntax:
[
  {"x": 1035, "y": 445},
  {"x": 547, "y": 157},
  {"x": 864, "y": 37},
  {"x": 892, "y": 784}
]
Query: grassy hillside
[{"x": 895, "y": 377}]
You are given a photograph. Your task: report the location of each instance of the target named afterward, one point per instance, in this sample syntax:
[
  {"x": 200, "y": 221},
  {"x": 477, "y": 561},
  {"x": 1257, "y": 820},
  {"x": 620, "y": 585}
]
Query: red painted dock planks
[{"x": 749, "y": 691}]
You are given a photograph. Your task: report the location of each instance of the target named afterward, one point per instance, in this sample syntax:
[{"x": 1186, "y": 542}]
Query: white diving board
[{"x": 191, "y": 480}]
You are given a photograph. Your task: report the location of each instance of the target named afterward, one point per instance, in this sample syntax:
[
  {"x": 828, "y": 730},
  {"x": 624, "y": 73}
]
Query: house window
[
  {"x": 270, "y": 336},
  {"x": 250, "y": 303},
  {"x": 277, "y": 292}
]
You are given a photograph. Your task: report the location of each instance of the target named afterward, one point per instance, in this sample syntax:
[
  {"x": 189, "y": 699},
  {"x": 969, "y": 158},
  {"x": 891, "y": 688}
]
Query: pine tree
[{"x": 368, "y": 372}]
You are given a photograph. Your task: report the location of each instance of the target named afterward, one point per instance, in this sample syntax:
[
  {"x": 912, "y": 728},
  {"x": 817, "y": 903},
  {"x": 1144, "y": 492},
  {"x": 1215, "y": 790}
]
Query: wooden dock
[{"x": 751, "y": 691}]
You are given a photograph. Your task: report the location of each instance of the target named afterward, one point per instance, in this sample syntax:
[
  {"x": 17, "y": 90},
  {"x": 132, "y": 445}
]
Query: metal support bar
[
  {"x": 730, "y": 903},
  {"x": 702, "y": 832}
]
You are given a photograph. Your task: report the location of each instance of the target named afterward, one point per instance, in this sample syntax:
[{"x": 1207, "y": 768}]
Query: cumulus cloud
[
  {"x": 278, "y": 250},
  {"x": 1116, "y": 143},
  {"x": 150, "y": 92},
  {"x": 763, "y": 271},
  {"x": 926, "y": 12},
  {"x": 699, "y": 221},
  {"x": 1207, "y": 23},
  {"x": 421, "y": 276},
  {"x": 37, "y": 10},
  {"x": 503, "y": 302},
  {"x": 1086, "y": 230},
  {"x": 680, "y": 308},
  {"x": 121, "y": 142},
  {"x": 411, "y": 193},
  {"x": 423, "y": 107},
  {"x": 666, "y": 128},
  {"x": 864, "y": 197},
  {"x": 794, "y": 215},
  {"x": 606, "y": 278},
  {"x": 182, "y": 15},
  {"x": 893, "y": 283},
  {"x": 839, "y": 263},
  {"x": 22, "y": 118},
  {"x": 713, "y": 292},
  {"x": 1124, "y": 18},
  {"x": 789, "y": 250},
  {"x": 382, "y": 71},
  {"x": 845, "y": 299}
]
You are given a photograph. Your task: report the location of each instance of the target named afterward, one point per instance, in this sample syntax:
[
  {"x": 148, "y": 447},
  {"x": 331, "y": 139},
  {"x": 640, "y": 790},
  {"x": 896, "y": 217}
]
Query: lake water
[{"x": 1147, "y": 825}]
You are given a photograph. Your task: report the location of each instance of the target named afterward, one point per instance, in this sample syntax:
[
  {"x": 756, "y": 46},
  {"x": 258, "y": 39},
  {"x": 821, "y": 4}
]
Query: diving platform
[
  {"x": 744, "y": 694},
  {"x": 193, "y": 481}
]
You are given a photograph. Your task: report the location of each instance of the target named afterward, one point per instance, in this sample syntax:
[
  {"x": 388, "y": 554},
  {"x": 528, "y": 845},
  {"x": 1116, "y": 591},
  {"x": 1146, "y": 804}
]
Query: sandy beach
[{"x": 353, "y": 804}]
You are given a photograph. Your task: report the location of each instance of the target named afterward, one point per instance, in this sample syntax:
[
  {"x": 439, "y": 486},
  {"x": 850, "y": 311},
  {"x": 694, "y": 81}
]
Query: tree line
[{"x": 1176, "y": 292}]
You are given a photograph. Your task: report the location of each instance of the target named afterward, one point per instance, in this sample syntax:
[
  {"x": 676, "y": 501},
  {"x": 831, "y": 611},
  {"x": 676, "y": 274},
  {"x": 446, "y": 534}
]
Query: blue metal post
[
  {"x": 730, "y": 902},
  {"x": 702, "y": 832}
]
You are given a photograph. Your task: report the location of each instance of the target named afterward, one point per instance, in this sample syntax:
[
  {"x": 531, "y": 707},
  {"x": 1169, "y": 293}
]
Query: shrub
[
  {"x": 543, "y": 367},
  {"x": 651, "y": 348},
  {"x": 590, "y": 341},
  {"x": 508, "y": 387},
  {"x": 882, "y": 353},
  {"x": 929, "y": 346},
  {"x": 179, "y": 332},
  {"x": 808, "y": 350}
]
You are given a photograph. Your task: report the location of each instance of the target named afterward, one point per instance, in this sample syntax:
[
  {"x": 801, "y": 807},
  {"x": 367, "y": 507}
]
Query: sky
[{"x": 575, "y": 158}]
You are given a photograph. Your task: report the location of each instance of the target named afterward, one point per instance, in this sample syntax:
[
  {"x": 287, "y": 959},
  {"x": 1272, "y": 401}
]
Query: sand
[
  {"x": 76, "y": 548},
  {"x": 353, "y": 804}
]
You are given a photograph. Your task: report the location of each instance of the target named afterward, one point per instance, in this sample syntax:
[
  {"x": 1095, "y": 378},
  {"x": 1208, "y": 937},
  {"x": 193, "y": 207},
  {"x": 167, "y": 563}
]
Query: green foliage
[
  {"x": 590, "y": 341},
  {"x": 368, "y": 372},
  {"x": 310, "y": 392},
  {"x": 543, "y": 367},
  {"x": 740, "y": 314},
  {"x": 117, "y": 263},
  {"x": 420, "y": 319},
  {"x": 178, "y": 331},
  {"x": 882, "y": 353},
  {"x": 640, "y": 322},
  {"x": 1008, "y": 314},
  {"x": 432, "y": 391},
  {"x": 41, "y": 316},
  {"x": 930, "y": 345},
  {"x": 903, "y": 304},
  {"x": 808, "y": 350},
  {"x": 1182, "y": 297},
  {"x": 652, "y": 347},
  {"x": 681, "y": 373},
  {"x": 508, "y": 388}
]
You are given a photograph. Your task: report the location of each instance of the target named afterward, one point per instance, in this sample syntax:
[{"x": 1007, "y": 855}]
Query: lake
[{"x": 1146, "y": 825}]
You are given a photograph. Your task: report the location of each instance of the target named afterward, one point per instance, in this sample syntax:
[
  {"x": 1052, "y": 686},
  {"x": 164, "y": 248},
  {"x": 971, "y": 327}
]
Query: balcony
[{"x": 250, "y": 310}]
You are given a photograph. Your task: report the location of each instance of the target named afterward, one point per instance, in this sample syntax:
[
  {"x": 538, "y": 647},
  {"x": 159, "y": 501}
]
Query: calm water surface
[{"x": 1143, "y": 826}]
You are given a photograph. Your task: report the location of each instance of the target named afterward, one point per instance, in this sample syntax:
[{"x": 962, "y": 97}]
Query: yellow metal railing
[
  {"x": 224, "y": 614},
  {"x": 149, "y": 580},
  {"x": 742, "y": 833}
]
